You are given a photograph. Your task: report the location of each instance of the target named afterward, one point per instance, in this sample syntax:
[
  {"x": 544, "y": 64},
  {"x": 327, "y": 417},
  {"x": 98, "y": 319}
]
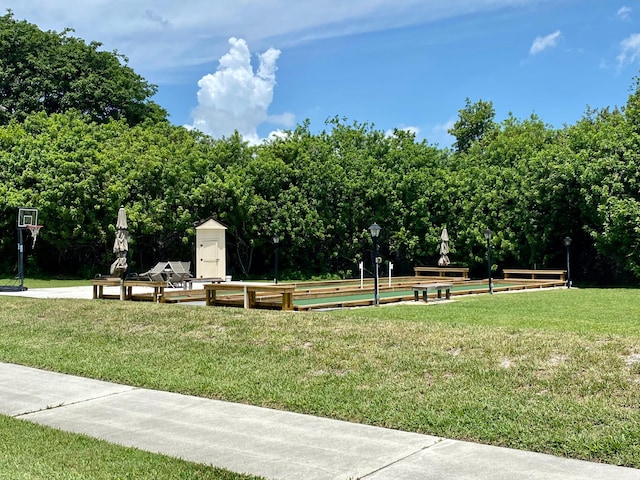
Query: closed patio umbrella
[
  {"x": 444, "y": 248},
  {"x": 121, "y": 245}
]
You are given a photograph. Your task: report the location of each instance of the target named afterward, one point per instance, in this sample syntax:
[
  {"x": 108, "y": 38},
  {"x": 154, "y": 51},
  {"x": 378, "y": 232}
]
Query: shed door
[{"x": 209, "y": 259}]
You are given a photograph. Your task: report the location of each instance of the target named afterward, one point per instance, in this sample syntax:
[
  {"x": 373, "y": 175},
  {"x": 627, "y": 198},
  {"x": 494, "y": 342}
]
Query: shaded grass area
[
  {"x": 551, "y": 371},
  {"x": 29, "y": 451}
]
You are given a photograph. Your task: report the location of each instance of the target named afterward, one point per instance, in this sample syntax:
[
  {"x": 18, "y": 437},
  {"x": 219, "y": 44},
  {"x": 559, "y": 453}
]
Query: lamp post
[
  {"x": 276, "y": 242},
  {"x": 487, "y": 236},
  {"x": 567, "y": 243},
  {"x": 375, "y": 232}
]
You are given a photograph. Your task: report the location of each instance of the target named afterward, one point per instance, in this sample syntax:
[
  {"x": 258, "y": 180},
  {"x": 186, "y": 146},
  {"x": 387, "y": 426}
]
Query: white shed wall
[{"x": 210, "y": 250}]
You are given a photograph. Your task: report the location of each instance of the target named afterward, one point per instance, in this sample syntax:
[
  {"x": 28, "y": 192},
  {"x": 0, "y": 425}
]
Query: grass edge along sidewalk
[
  {"x": 551, "y": 371},
  {"x": 30, "y": 451}
]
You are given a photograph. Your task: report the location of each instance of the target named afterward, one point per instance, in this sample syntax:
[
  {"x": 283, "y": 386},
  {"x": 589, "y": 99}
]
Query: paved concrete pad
[{"x": 270, "y": 443}]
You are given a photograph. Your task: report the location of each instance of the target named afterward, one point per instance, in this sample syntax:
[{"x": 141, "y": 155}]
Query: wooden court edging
[{"x": 255, "y": 295}]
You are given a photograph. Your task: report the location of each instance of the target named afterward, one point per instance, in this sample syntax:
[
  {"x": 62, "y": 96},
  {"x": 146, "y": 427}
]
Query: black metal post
[
  {"x": 376, "y": 288},
  {"x": 567, "y": 243},
  {"x": 276, "y": 266},
  {"x": 375, "y": 231},
  {"x": 21, "y": 256},
  {"x": 489, "y": 266},
  {"x": 487, "y": 235},
  {"x": 276, "y": 242}
]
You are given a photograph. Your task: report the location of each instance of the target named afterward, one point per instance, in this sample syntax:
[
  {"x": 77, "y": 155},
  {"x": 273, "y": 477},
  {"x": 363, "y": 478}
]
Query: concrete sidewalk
[{"x": 269, "y": 443}]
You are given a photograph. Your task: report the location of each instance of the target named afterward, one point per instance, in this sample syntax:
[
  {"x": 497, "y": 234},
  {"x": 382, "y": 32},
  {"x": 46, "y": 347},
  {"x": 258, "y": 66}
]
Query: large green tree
[
  {"x": 475, "y": 122},
  {"x": 54, "y": 72}
]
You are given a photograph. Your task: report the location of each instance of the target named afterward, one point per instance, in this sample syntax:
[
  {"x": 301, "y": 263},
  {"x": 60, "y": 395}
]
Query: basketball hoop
[{"x": 34, "y": 230}]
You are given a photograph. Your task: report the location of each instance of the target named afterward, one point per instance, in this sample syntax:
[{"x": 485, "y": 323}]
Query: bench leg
[
  {"x": 425, "y": 295},
  {"x": 439, "y": 293},
  {"x": 210, "y": 298},
  {"x": 415, "y": 295},
  {"x": 287, "y": 301},
  {"x": 448, "y": 294},
  {"x": 251, "y": 299}
]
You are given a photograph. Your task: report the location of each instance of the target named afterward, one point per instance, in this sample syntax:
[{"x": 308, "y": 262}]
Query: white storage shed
[{"x": 210, "y": 250}]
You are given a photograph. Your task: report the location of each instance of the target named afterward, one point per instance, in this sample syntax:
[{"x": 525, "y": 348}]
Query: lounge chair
[
  {"x": 178, "y": 273},
  {"x": 156, "y": 274}
]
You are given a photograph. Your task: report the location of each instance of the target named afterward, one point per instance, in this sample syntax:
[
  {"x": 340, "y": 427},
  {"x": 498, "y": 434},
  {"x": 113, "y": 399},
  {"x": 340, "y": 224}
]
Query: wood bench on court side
[
  {"x": 425, "y": 288},
  {"x": 442, "y": 272},
  {"x": 535, "y": 274},
  {"x": 99, "y": 284}
]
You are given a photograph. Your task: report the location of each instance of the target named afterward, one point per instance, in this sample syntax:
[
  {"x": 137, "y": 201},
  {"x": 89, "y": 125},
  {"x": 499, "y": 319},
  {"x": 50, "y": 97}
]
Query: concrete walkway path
[{"x": 269, "y": 443}]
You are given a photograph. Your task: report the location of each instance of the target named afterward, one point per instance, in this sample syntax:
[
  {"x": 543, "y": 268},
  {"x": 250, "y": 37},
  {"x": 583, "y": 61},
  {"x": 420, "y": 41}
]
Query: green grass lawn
[
  {"x": 29, "y": 451},
  {"x": 551, "y": 371}
]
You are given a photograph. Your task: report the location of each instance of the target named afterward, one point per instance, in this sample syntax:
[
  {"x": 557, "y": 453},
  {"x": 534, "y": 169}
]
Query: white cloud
[
  {"x": 236, "y": 98},
  {"x": 287, "y": 119},
  {"x": 279, "y": 134},
  {"x": 410, "y": 129},
  {"x": 440, "y": 135},
  {"x": 629, "y": 50},
  {"x": 542, "y": 43},
  {"x": 624, "y": 13}
]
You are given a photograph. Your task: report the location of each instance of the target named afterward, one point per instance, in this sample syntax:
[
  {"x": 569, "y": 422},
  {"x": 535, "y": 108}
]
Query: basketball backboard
[{"x": 27, "y": 216}]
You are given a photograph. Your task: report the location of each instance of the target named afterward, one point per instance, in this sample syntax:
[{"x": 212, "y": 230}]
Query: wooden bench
[
  {"x": 99, "y": 284},
  {"x": 425, "y": 288},
  {"x": 250, "y": 293},
  {"x": 535, "y": 274},
  {"x": 462, "y": 272},
  {"x": 158, "y": 290},
  {"x": 127, "y": 285}
]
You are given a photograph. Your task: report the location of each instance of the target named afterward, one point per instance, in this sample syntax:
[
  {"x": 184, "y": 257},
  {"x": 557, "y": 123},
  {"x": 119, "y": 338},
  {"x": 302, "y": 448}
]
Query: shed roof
[{"x": 210, "y": 224}]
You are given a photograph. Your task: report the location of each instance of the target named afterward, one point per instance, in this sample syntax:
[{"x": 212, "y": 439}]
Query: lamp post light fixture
[
  {"x": 276, "y": 242},
  {"x": 487, "y": 236},
  {"x": 567, "y": 243},
  {"x": 375, "y": 232}
]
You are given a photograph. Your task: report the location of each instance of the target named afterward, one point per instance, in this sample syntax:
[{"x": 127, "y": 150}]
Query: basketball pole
[
  {"x": 27, "y": 220},
  {"x": 21, "y": 257}
]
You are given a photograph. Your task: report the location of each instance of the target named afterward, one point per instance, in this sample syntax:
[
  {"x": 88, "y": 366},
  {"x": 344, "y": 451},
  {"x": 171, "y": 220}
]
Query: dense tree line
[
  {"x": 532, "y": 185},
  {"x": 529, "y": 183}
]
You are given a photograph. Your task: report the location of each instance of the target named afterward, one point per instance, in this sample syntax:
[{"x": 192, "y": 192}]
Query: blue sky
[{"x": 261, "y": 66}]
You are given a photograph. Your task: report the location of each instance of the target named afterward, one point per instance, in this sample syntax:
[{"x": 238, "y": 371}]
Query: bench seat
[
  {"x": 425, "y": 288},
  {"x": 443, "y": 272},
  {"x": 534, "y": 274}
]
